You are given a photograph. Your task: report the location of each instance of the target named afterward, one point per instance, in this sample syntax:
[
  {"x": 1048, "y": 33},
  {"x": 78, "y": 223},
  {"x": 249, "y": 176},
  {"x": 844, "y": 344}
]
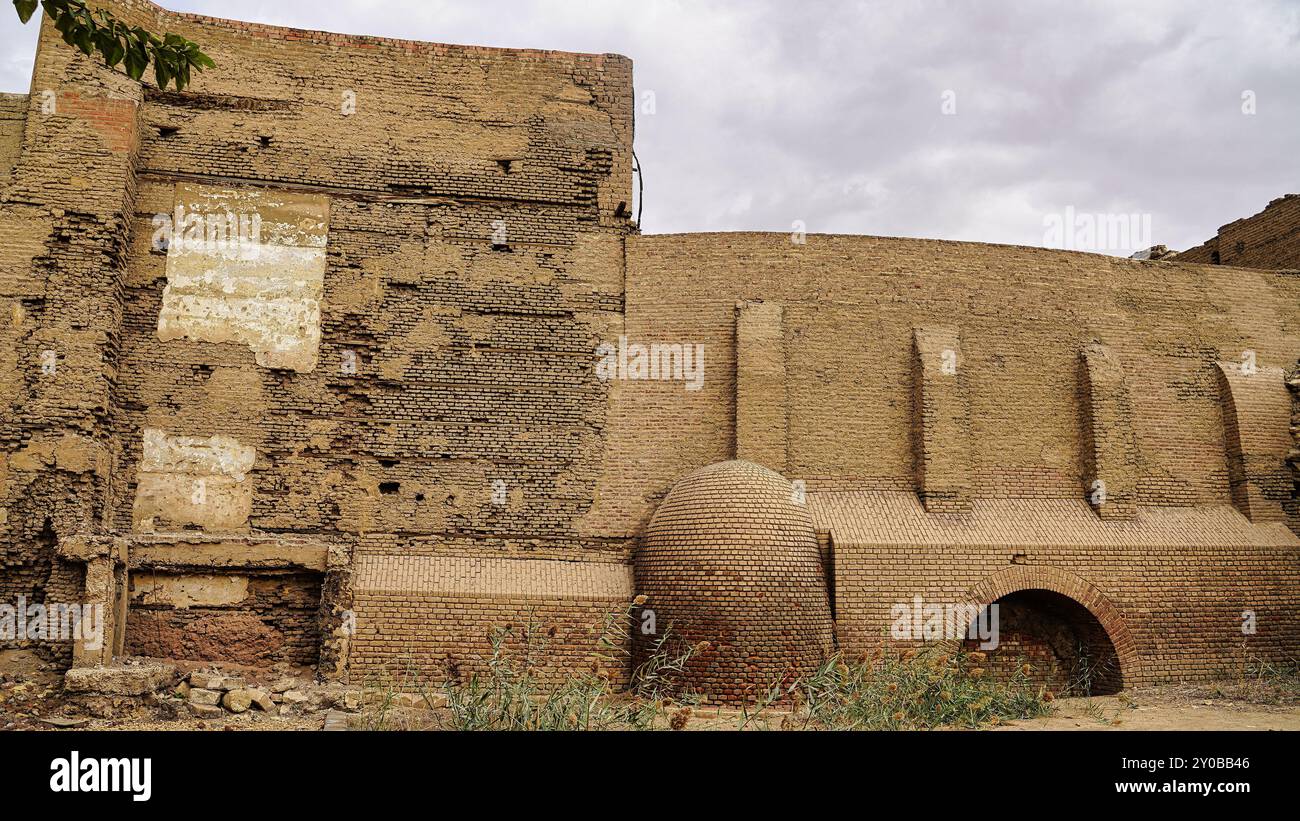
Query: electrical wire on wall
[{"x": 640, "y": 187}]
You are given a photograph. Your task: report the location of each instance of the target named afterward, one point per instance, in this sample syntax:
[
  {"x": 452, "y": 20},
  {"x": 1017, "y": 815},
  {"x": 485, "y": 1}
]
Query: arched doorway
[
  {"x": 1064, "y": 645},
  {"x": 1072, "y": 636}
]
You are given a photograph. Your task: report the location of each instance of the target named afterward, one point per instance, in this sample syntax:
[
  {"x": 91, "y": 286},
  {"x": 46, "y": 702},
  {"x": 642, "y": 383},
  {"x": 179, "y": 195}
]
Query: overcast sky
[{"x": 770, "y": 111}]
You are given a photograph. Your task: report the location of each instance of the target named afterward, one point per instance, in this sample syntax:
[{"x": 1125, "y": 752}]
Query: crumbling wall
[
  {"x": 418, "y": 382},
  {"x": 1269, "y": 239},
  {"x": 13, "y": 119},
  {"x": 256, "y": 619},
  {"x": 63, "y": 235},
  {"x": 315, "y": 343}
]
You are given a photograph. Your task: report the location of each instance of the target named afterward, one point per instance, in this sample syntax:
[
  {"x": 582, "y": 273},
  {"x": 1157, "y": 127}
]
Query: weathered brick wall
[
  {"x": 13, "y": 118},
  {"x": 393, "y": 407},
  {"x": 461, "y": 257},
  {"x": 475, "y": 203},
  {"x": 274, "y": 617},
  {"x": 1269, "y": 239},
  {"x": 63, "y": 235},
  {"x": 1149, "y": 416},
  {"x": 1024, "y": 316}
]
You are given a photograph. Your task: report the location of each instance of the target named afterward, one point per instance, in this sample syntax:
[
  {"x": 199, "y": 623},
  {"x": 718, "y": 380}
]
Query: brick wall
[
  {"x": 266, "y": 618},
  {"x": 1077, "y": 367},
  {"x": 13, "y": 118},
  {"x": 63, "y": 237},
  {"x": 472, "y": 202},
  {"x": 408, "y": 380},
  {"x": 1269, "y": 239}
]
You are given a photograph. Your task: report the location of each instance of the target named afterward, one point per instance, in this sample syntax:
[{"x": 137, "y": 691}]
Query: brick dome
[{"x": 730, "y": 558}]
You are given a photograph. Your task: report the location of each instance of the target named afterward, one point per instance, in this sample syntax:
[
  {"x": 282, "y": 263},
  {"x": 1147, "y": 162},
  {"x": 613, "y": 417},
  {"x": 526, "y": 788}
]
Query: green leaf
[
  {"x": 161, "y": 72},
  {"x": 113, "y": 52},
  {"x": 135, "y": 64},
  {"x": 84, "y": 39},
  {"x": 26, "y": 8},
  {"x": 100, "y": 32}
]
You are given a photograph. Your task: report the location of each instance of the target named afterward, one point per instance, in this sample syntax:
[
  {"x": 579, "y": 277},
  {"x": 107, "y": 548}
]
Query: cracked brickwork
[
  {"x": 438, "y": 252},
  {"x": 300, "y": 365}
]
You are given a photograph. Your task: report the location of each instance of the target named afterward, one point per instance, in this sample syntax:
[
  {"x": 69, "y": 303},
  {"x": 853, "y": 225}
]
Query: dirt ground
[
  {"x": 1236, "y": 705},
  {"x": 1176, "y": 707}
]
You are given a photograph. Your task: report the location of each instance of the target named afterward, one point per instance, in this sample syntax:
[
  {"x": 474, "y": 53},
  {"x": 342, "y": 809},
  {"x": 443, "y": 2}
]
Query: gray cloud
[{"x": 830, "y": 113}]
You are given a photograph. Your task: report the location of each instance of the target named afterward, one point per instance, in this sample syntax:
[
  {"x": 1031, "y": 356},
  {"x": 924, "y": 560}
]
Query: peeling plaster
[
  {"x": 193, "y": 480},
  {"x": 183, "y": 592},
  {"x": 246, "y": 266}
]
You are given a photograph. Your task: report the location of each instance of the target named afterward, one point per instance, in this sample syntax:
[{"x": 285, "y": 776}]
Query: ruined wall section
[
  {"x": 431, "y": 396},
  {"x": 13, "y": 120},
  {"x": 64, "y": 228},
  {"x": 1269, "y": 239}
]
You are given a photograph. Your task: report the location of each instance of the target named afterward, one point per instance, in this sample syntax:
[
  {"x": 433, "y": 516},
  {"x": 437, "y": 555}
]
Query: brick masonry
[
  {"x": 405, "y": 443},
  {"x": 1269, "y": 239}
]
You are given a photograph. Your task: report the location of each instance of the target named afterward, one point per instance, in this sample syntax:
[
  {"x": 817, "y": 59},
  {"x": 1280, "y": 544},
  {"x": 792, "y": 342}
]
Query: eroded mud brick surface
[{"x": 350, "y": 353}]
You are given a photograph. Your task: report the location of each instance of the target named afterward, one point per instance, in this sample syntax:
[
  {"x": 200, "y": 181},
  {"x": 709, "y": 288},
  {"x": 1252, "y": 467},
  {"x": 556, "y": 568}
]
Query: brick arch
[{"x": 1044, "y": 577}]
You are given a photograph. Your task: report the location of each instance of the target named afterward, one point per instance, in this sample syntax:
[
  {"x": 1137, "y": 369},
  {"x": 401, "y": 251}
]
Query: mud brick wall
[
  {"x": 1170, "y": 587},
  {"x": 13, "y": 119},
  {"x": 434, "y": 637},
  {"x": 475, "y": 202},
  {"x": 64, "y": 202},
  {"x": 433, "y": 611},
  {"x": 1025, "y": 320},
  {"x": 249, "y": 620},
  {"x": 453, "y": 216},
  {"x": 398, "y": 367},
  {"x": 1292, "y": 507},
  {"x": 1269, "y": 239}
]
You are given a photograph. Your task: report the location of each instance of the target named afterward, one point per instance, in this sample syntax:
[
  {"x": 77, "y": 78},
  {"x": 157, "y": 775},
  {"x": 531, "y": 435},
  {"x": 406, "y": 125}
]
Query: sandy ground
[
  {"x": 1237, "y": 705},
  {"x": 1199, "y": 707},
  {"x": 1223, "y": 706}
]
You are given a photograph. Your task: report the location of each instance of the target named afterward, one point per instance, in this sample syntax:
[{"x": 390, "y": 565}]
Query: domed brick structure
[{"x": 730, "y": 557}]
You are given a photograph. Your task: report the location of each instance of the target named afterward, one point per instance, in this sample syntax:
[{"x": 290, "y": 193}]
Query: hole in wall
[
  {"x": 505, "y": 165},
  {"x": 390, "y": 488},
  {"x": 167, "y": 131},
  {"x": 264, "y": 141}
]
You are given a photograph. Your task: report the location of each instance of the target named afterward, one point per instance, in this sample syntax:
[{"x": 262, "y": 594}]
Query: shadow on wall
[{"x": 1066, "y": 647}]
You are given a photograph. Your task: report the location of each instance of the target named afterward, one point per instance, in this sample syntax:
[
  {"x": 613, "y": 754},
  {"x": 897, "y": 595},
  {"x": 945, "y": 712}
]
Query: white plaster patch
[
  {"x": 193, "y": 480},
  {"x": 246, "y": 266},
  {"x": 183, "y": 592}
]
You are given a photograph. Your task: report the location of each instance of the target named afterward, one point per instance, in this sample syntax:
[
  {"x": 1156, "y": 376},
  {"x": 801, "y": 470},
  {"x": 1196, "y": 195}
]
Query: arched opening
[{"x": 1064, "y": 644}]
